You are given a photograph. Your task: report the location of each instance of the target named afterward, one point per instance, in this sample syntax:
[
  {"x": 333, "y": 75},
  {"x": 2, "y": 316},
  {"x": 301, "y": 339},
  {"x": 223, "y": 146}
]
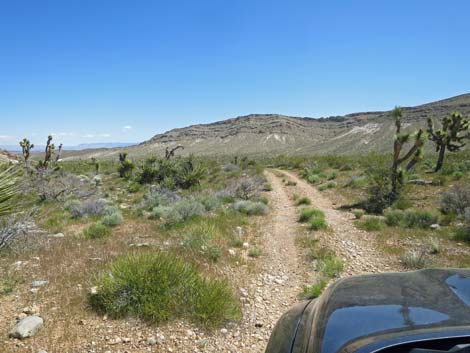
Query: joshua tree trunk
[{"x": 440, "y": 158}]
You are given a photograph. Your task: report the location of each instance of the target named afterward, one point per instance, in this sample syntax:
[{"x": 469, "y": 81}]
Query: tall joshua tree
[
  {"x": 26, "y": 147},
  {"x": 451, "y": 136},
  {"x": 414, "y": 154}
]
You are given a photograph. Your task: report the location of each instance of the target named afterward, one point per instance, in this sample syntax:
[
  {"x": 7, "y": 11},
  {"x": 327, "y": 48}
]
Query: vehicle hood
[{"x": 362, "y": 310}]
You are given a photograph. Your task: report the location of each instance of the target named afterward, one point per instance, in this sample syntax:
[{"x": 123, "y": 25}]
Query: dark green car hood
[{"x": 369, "y": 310}]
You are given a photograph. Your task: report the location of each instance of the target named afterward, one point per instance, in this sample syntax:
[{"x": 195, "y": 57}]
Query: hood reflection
[{"x": 347, "y": 323}]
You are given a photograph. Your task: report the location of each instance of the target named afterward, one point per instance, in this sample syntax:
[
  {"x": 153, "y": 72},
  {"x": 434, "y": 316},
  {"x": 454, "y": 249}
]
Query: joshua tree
[
  {"x": 455, "y": 129},
  {"x": 126, "y": 166},
  {"x": 171, "y": 153},
  {"x": 58, "y": 153},
  {"x": 95, "y": 162},
  {"x": 27, "y": 147},
  {"x": 415, "y": 151},
  {"x": 49, "y": 151}
]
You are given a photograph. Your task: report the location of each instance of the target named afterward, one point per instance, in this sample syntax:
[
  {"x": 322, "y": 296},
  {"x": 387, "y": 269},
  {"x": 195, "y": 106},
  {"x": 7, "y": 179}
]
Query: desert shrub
[
  {"x": 332, "y": 175},
  {"x": 455, "y": 200},
  {"x": 317, "y": 223},
  {"x": 370, "y": 224},
  {"x": 88, "y": 208},
  {"x": 189, "y": 208},
  {"x": 356, "y": 182},
  {"x": 14, "y": 228},
  {"x": 133, "y": 187},
  {"x": 158, "y": 196},
  {"x": 72, "y": 205},
  {"x": 313, "y": 178},
  {"x": 112, "y": 220},
  {"x": 267, "y": 187},
  {"x": 255, "y": 252},
  {"x": 358, "y": 213},
  {"x": 413, "y": 259},
  {"x": 307, "y": 213},
  {"x": 315, "y": 290},
  {"x": 419, "y": 219},
  {"x": 457, "y": 175},
  {"x": 329, "y": 185},
  {"x": 434, "y": 245},
  {"x": 304, "y": 200},
  {"x": 439, "y": 180},
  {"x": 402, "y": 203},
  {"x": 248, "y": 188},
  {"x": 230, "y": 168},
  {"x": 394, "y": 218},
  {"x": 250, "y": 207},
  {"x": 331, "y": 266},
  {"x": 463, "y": 232},
  {"x": 200, "y": 240},
  {"x": 96, "y": 231},
  {"x": 159, "y": 287},
  {"x": 209, "y": 202},
  {"x": 379, "y": 190},
  {"x": 160, "y": 212}
]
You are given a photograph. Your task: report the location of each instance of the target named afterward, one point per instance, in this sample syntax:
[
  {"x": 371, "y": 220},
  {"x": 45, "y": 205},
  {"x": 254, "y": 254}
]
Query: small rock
[
  {"x": 201, "y": 343},
  {"x": 224, "y": 331},
  {"x": 31, "y": 310},
  {"x": 231, "y": 252},
  {"x": 27, "y": 327},
  {"x": 58, "y": 235},
  {"x": 435, "y": 226},
  {"x": 42, "y": 351},
  {"x": 239, "y": 231},
  {"x": 152, "y": 341},
  {"x": 37, "y": 284},
  {"x": 93, "y": 290},
  {"x": 246, "y": 245}
]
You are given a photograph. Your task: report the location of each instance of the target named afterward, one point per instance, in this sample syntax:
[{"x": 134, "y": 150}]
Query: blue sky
[{"x": 111, "y": 70}]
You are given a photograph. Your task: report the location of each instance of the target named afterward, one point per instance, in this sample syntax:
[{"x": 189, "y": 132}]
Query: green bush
[
  {"x": 315, "y": 290},
  {"x": 304, "y": 200},
  {"x": 159, "y": 287},
  {"x": 394, "y": 218},
  {"x": 371, "y": 224},
  {"x": 462, "y": 233},
  {"x": 457, "y": 175},
  {"x": 307, "y": 213},
  {"x": 331, "y": 266},
  {"x": 313, "y": 178},
  {"x": 439, "y": 180},
  {"x": 317, "y": 223},
  {"x": 419, "y": 219},
  {"x": 133, "y": 187},
  {"x": 250, "y": 207},
  {"x": 112, "y": 220},
  {"x": 358, "y": 213},
  {"x": 255, "y": 252},
  {"x": 96, "y": 231},
  {"x": 332, "y": 176},
  {"x": 329, "y": 185}
]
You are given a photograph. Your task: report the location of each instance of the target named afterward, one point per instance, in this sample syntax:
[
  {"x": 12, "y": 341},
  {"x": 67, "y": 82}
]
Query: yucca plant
[{"x": 8, "y": 190}]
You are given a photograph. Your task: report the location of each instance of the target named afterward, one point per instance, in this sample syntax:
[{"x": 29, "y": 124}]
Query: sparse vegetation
[
  {"x": 304, "y": 200},
  {"x": 96, "y": 231},
  {"x": 251, "y": 208}
]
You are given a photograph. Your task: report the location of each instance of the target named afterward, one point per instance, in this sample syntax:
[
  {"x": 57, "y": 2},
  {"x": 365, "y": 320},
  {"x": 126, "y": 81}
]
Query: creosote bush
[{"x": 159, "y": 287}]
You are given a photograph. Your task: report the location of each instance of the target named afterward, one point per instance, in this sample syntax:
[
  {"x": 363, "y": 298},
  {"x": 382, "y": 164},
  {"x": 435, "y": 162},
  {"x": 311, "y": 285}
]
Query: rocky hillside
[
  {"x": 261, "y": 133},
  {"x": 9, "y": 158}
]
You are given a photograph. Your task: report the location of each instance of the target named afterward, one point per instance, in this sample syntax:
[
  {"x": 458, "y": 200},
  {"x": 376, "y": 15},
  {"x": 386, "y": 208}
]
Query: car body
[{"x": 388, "y": 312}]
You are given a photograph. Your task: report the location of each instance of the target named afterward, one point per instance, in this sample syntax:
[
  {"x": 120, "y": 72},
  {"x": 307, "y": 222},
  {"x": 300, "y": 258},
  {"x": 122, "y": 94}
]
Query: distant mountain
[
  {"x": 280, "y": 134},
  {"x": 87, "y": 146},
  {"x": 83, "y": 146}
]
